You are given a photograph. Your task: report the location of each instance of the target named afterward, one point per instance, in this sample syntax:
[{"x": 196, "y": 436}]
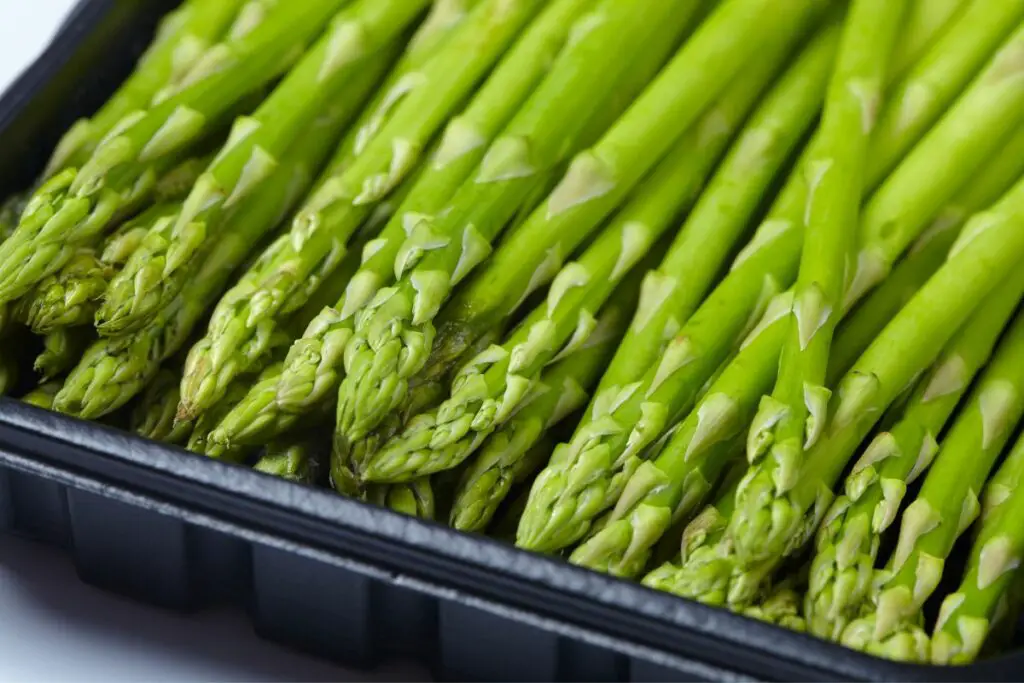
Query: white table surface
[{"x": 53, "y": 627}]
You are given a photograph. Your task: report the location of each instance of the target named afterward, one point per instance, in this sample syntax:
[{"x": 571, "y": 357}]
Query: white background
[{"x": 54, "y": 628}]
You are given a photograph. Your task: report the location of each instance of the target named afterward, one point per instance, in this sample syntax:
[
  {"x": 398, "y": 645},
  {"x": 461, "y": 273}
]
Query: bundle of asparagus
[{"x": 394, "y": 247}]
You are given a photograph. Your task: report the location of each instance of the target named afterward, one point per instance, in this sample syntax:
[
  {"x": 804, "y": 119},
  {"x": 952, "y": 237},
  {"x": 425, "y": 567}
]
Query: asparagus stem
[
  {"x": 156, "y": 273},
  {"x": 1003, "y": 483},
  {"x": 767, "y": 526},
  {"x": 937, "y": 78},
  {"x": 925, "y": 22},
  {"x": 74, "y": 207},
  {"x": 313, "y": 366},
  {"x": 61, "y": 350},
  {"x": 182, "y": 40},
  {"x": 294, "y": 460},
  {"x": 948, "y": 502},
  {"x": 394, "y": 332},
  {"x": 489, "y": 388},
  {"x": 415, "y": 498},
  {"x": 970, "y": 132},
  {"x": 386, "y": 153},
  {"x": 153, "y": 416},
  {"x": 984, "y": 597},
  {"x": 411, "y": 455},
  {"x": 114, "y": 370},
  {"x": 42, "y": 395},
  {"x": 849, "y": 539},
  {"x": 791, "y": 420}
]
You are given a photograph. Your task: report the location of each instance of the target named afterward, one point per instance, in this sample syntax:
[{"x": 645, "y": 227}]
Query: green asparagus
[
  {"x": 42, "y": 395},
  {"x": 297, "y": 460},
  {"x": 313, "y": 364},
  {"x": 792, "y": 418},
  {"x": 394, "y": 332},
  {"x": 415, "y": 498},
  {"x": 383, "y": 158},
  {"x": 153, "y": 416},
  {"x": 327, "y": 73},
  {"x": 491, "y": 387},
  {"x": 766, "y": 525},
  {"x": 983, "y": 598},
  {"x": 74, "y": 206},
  {"x": 949, "y": 499},
  {"x": 61, "y": 350}
]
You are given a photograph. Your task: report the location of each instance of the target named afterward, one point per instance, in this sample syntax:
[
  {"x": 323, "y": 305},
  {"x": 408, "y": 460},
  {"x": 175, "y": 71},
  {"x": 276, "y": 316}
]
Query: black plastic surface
[{"x": 324, "y": 574}]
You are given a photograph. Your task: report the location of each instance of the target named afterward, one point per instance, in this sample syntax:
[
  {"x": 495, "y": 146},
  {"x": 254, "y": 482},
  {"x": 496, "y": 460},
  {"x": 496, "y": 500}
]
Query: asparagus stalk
[
  {"x": 925, "y": 22},
  {"x": 61, "y": 350},
  {"x": 182, "y": 40},
  {"x": 666, "y": 489},
  {"x": 781, "y": 606},
  {"x": 970, "y": 131},
  {"x": 394, "y": 332},
  {"x": 313, "y": 365},
  {"x": 948, "y": 502},
  {"x": 383, "y": 158},
  {"x": 791, "y": 420},
  {"x": 510, "y": 454},
  {"x": 114, "y": 370},
  {"x": 74, "y": 207},
  {"x": 932, "y": 84},
  {"x": 297, "y": 461},
  {"x": 1003, "y": 483},
  {"x": 984, "y": 597},
  {"x": 767, "y": 526},
  {"x": 42, "y": 395},
  {"x": 153, "y": 416},
  {"x": 157, "y": 271},
  {"x": 415, "y": 498},
  {"x": 850, "y": 536},
  {"x": 199, "y": 442},
  {"x": 70, "y": 296},
  {"x": 490, "y": 387}
]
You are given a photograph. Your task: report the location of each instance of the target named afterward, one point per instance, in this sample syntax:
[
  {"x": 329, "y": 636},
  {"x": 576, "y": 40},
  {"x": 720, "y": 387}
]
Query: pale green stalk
[
  {"x": 924, "y": 94},
  {"x": 42, "y": 395},
  {"x": 75, "y": 206},
  {"x": 62, "y": 349},
  {"x": 949, "y": 499},
  {"x": 985, "y": 597},
  {"x": 419, "y": 105},
  {"x": 790, "y": 421},
  {"x": 924, "y": 22},
  {"x": 849, "y": 539},
  {"x": 114, "y": 370},
  {"x": 153, "y": 415},
  {"x": 395, "y": 331},
  {"x": 314, "y": 364},
  {"x": 1003, "y": 482},
  {"x": 490, "y": 387},
  {"x": 330, "y": 72},
  {"x": 766, "y": 526}
]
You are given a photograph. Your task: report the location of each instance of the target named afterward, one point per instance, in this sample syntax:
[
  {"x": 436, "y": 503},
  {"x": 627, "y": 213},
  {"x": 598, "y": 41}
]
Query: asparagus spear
[
  {"x": 74, "y": 206},
  {"x": 312, "y": 367},
  {"x": 850, "y": 536},
  {"x": 948, "y": 502},
  {"x": 981, "y": 118},
  {"x": 767, "y": 526},
  {"x": 383, "y": 159},
  {"x": 394, "y": 332},
  {"x": 114, "y": 370},
  {"x": 42, "y": 395},
  {"x": 512, "y": 453},
  {"x": 61, "y": 350},
  {"x": 490, "y": 388},
  {"x": 790, "y": 421},
  {"x": 182, "y": 39},
  {"x": 157, "y": 271},
  {"x": 925, "y": 22},
  {"x": 415, "y": 498},
  {"x": 69, "y": 297},
  {"x": 942, "y": 73},
  {"x": 297, "y": 461},
  {"x": 984, "y": 596},
  {"x": 153, "y": 416},
  {"x": 1003, "y": 483},
  {"x": 198, "y": 440}
]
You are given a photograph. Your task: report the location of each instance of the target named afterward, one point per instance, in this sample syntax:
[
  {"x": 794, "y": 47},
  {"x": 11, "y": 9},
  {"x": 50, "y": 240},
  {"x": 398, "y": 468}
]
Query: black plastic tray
[{"x": 328, "y": 575}]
